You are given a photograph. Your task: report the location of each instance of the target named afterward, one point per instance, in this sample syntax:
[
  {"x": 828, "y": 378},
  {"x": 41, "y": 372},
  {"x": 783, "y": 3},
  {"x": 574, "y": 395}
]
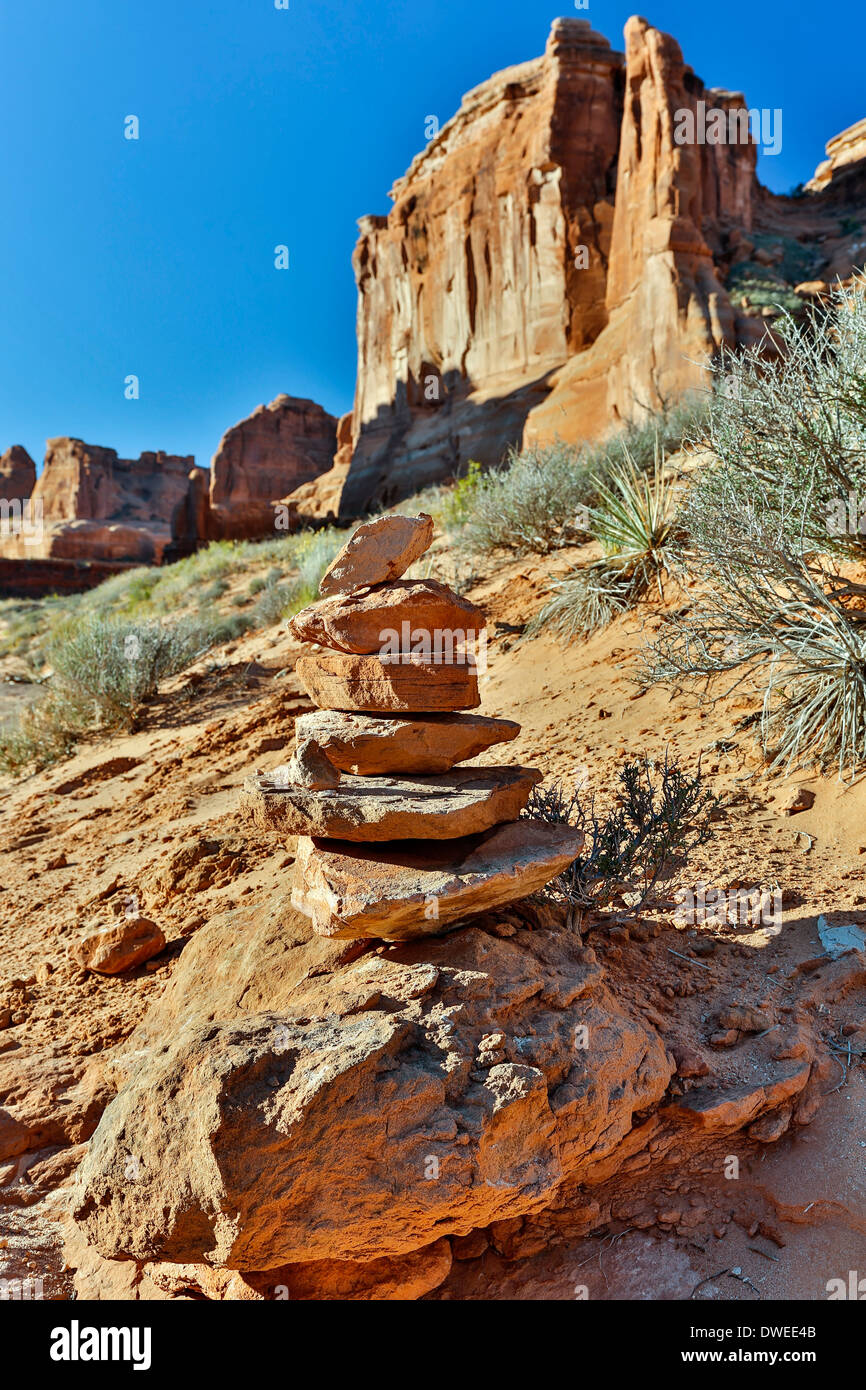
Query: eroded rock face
[
  {"x": 240, "y": 1163},
  {"x": 555, "y": 261},
  {"x": 86, "y": 482},
  {"x": 17, "y": 474},
  {"x": 469, "y": 289},
  {"x": 96, "y": 506}
]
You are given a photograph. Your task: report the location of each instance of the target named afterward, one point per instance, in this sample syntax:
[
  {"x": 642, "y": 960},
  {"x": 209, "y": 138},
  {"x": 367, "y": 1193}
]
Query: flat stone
[
  {"x": 395, "y": 617},
  {"x": 416, "y": 889},
  {"x": 733, "y": 1106},
  {"x": 366, "y": 745},
  {"x": 336, "y": 680},
  {"x": 378, "y": 551},
  {"x": 462, "y": 802}
]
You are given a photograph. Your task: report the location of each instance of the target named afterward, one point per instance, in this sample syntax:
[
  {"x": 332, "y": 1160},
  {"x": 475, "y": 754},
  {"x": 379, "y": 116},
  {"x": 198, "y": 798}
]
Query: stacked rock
[{"x": 395, "y": 840}]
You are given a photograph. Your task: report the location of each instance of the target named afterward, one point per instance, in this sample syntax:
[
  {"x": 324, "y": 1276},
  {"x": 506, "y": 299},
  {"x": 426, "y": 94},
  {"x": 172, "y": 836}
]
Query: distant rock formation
[
  {"x": 556, "y": 261},
  {"x": 92, "y": 509},
  {"x": 17, "y": 474},
  {"x": 844, "y": 152},
  {"x": 263, "y": 458}
]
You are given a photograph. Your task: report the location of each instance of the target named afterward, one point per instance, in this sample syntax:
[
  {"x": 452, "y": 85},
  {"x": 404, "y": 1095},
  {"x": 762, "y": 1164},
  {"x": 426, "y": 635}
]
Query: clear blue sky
[{"x": 259, "y": 127}]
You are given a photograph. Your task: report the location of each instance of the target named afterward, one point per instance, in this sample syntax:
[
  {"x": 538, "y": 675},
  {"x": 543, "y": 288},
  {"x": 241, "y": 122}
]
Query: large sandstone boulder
[{"x": 285, "y": 1103}]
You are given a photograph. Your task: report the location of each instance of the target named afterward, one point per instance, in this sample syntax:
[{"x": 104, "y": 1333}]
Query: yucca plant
[
  {"x": 774, "y": 537},
  {"x": 634, "y": 521}
]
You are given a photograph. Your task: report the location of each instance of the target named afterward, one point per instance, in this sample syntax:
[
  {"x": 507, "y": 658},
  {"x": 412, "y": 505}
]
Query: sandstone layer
[
  {"x": 367, "y": 745},
  {"x": 362, "y": 623},
  {"x": 461, "y": 802},
  {"x": 400, "y": 892},
  {"x": 338, "y": 681}
]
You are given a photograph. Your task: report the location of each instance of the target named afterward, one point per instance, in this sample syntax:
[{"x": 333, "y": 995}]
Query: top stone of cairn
[{"x": 378, "y": 551}]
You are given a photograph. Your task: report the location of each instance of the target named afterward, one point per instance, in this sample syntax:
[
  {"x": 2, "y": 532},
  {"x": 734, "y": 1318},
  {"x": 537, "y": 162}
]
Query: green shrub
[
  {"x": 118, "y": 664},
  {"x": 768, "y": 538},
  {"x": 660, "y": 817},
  {"x": 540, "y": 499}
]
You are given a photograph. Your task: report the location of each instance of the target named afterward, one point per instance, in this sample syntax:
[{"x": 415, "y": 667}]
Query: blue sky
[{"x": 261, "y": 127}]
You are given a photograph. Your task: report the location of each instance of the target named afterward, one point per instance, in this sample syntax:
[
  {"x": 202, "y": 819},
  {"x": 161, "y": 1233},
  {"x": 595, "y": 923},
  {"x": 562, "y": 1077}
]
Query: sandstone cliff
[{"x": 555, "y": 261}]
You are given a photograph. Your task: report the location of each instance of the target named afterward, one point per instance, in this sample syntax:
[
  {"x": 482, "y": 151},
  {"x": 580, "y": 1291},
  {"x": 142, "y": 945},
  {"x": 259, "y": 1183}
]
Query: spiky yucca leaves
[{"x": 634, "y": 521}]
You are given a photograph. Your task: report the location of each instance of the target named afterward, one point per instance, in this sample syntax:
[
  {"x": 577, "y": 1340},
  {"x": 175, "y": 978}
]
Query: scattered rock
[
  {"x": 310, "y": 767},
  {"x": 123, "y": 946},
  {"x": 771, "y": 1127},
  {"x": 839, "y": 939},
  {"x": 800, "y": 799},
  {"x": 745, "y": 1018},
  {"x": 690, "y": 1062}
]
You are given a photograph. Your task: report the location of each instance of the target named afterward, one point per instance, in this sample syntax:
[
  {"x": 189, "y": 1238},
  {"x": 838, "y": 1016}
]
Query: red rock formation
[
  {"x": 265, "y": 457},
  {"x": 85, "y": 482},
  {"x": 668, "y": 310},
  {"x": 556, "y": 261},
  {"x": 470, "y": 281},
  {"x": 17, "y": 474},
  {"x": 843, "y": 152},
  {"x": 98, "y": 507}
]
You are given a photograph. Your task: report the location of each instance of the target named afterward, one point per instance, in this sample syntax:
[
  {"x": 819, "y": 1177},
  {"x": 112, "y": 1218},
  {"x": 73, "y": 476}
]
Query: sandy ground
[{"x": 146, "y": 823}]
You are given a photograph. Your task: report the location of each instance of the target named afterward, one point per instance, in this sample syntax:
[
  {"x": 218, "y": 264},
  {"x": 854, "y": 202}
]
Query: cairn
[{"x": 394, "y": 839}]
